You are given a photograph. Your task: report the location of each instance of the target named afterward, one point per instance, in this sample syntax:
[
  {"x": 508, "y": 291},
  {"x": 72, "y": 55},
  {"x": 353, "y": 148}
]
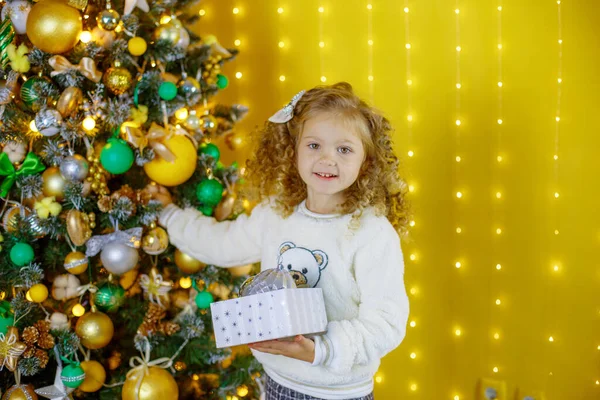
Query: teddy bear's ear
[
  {"x": 321, "y": 258},
  {"x": 285, "y": 247}
]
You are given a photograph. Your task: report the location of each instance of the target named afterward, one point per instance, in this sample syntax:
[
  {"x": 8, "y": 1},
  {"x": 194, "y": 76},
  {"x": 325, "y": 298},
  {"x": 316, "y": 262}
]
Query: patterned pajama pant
[{"x": 274, "y": 391}]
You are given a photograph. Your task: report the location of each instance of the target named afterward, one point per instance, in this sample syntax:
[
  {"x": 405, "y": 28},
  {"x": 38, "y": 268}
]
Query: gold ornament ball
[
  {"x": 156, "y": 241},
  {"x": 78, "y": 227},
  {"x": 209, "y": 124},
  {"x": 187, "y": 264},
  {"x": 38, "y": 293},
  {"x": 69, "y": 101},
  {"x": 53, "y": 183},
  {"x": 243, "y": 270},
  {"x": 95, "y": 329},
  {"x": 20, "y": 392},
  {"x": 174, "y": 173},
  {"x": 95, "y": 375},
  {"x": 76, "y": 263},
  {"x": 157, "y": 384},
  {"x": 53, "y": 26},
  {"x": 137, "y": 46},
  {"x": 168, "y": 32},
  {"x": 117, "y": 79}
]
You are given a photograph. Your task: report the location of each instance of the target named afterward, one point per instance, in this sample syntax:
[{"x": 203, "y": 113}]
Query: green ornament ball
[
  {"x": 72, "y": 375},
  {"x": 204, "y": 299},
  {"x": 21, "y": 254},
  {"x": 109, "y": 297},
  {"x": 210, "y": 149},
  {"x": 30, "y": 92},
  {"x": 222, "y": 81},
  {"x": 209, "y": 192},
  {"x": 206, "y": 210},
  {"x": 167, "y": 91},
  {"x": 116, "y": 156},
  {"x": 7, "y": 318}
]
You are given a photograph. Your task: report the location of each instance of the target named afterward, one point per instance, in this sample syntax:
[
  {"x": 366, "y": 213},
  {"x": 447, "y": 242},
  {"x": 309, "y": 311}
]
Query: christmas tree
[{"x": 107, "y": 113}]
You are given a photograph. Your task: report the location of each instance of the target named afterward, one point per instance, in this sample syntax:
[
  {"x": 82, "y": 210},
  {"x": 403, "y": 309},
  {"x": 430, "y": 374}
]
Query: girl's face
[{"x": 329, "y": 157}]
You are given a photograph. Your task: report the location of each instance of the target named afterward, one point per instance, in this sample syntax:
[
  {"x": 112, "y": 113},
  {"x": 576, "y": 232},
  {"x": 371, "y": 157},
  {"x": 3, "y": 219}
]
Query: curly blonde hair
[{"x": 272, "y": 170}]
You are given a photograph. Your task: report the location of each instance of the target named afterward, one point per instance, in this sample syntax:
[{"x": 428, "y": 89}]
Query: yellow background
[{"x": 537, "y": 302}]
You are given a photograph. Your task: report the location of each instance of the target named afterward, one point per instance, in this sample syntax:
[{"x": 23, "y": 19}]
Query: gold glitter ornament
[
  {"x": 69, "y": 101},
  {"x": 95, "y": 330},
  {"x": 117, "y": 79},
  {"x": 168, "y": 32},
  {"x": 76, "y": 262}
]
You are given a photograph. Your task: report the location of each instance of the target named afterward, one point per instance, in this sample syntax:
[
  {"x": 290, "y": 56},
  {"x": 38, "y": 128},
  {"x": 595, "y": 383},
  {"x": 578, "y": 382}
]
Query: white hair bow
[{"x": 287, "y": 112}]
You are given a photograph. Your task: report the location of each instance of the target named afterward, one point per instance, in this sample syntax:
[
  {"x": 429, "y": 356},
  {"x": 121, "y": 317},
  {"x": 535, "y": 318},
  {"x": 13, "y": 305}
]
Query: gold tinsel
[{"x": 153, "y": 322}]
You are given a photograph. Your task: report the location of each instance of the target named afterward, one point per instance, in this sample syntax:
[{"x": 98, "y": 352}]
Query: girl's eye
[
  {"x": 313, "y": 146},
  {"x": 345, "y": 150}
]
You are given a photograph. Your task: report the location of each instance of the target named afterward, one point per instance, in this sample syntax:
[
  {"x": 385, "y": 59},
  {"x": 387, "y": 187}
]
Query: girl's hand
[{"x": 300, "y": 348}]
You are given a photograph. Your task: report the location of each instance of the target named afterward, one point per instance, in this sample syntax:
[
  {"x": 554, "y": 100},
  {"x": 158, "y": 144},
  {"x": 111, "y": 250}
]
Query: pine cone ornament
[
  {"x": 46, "y": 341},
  {"x": 30, "y": 336},
  {"x": 43, "y": 357}
]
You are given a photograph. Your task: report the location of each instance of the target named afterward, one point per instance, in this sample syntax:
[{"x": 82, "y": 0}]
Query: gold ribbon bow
[
  {"x": 140, "y": 366},
  {"x": 154, "y": 138},
  {"x": 155, "y": 286},
  {"x": 86, "y": 67}
]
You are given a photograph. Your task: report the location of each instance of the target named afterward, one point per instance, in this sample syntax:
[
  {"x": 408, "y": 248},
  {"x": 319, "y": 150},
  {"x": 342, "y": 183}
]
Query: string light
[
  {"x": 237, "y": 42},
  {"x": 32, "y": 126},
  {"x": 280, "y": 10},
  {"x": 185, "y": 282},
  {"x": 498, "y": 267},
  {"x": 495, "y": 370},
  {"x": 181, "y": 114},
  {"x": 413, "y": 324},
  {"x": 458, "y": 264},
  {"x": 202, "y": 12},
  {"x": 236, "y": 10},
  {"x": 88, "y": 123},
  {"x": 238, "y": 75},
  {"x": 78, "y": 310},
  {"x": 281, "y": 44},
  {"x": 282, "y": 78},
  {"x": 413, "y": 355},
  {"x": 85, "y": 36}
]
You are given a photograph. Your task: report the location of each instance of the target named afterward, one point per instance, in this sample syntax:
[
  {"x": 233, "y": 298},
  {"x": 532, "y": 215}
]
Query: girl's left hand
[{"x": 300, "y": 348}]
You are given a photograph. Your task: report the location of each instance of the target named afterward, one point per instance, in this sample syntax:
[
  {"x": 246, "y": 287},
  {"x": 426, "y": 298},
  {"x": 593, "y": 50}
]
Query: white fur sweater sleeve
[
  {"x": 383, "y": 311},
  {"x": 226, "y": 243}
]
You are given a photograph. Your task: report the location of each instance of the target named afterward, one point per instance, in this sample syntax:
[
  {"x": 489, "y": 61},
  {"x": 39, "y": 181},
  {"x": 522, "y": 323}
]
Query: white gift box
[{"x": 271, "y": 315}]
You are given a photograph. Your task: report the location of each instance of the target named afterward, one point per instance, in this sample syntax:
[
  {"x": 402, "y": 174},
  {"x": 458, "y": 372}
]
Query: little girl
[{"x": 327, "y": 178}]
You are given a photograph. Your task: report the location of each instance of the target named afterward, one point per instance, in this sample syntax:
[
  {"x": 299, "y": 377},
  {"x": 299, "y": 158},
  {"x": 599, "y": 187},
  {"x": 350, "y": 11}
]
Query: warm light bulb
[
  {"x": 378, "y": 378},
  {"x": 413, "y": 324},
  {"x": 457, "y": 397},
  {"x": 411, "y": 153},
  {"x": 500, "y": 84},
  {"x": 556, "y": 157},
  {"x": 412, "y": 223},
  {"x": 556, "y": 268},
  {"x": 321, "y": 44},
  {"x": 406, "y": 9},
  {"x": 457, "y": 11},
  {"x": 499, "y": 46},
  {"x": 409, "y": 82},
  {"x": 413, "y": 387},
  {"x": 32, "y": 126},
  {"x": 202, "y": 13},
  {"x": 321, "y": 9},
  {"x": 413, "y": 355},
  {"x": 597, "y": 382},
  {"x": 458, "y": 158},
  {"x": 407, "y": 45},
  {"x": 498, "y": 231},
  {"x": 236, "y": 10},
  {"x": 281, "y": 44},
  {"x": 499, "y": 8},
  {"x": 280, "y": 10},
  {"x": 237, "y": 42},
  {"x": 556, "y": 195},
  {"x": 411, "y": 188},
  {"x": 498, "y": 267},
  {"x": 370, "y": 78},
  {"x": 413, "y": 257},
  {"x": 498, "y": 302},
  {"x": 323, "y": 79},
  {"x": 282, "y": 78},
  {"x": 85, "y": 36},
  {"x": 78, "y": 310},
  {"x": 556, "y": 231},
  {"x": 181, "y": 114},
  {"x": 557, "y": 119},
  {"x": 458, "y": 85},
  {"x": 551, "y": 339},
  {"x": 560, "y": 41},
  {"x": 413, "y": 291},
  {"x": 495, "y": 370},
  {"x": 459, "y": 195},
  {"x": 88, "y": 123},
  {"x": 369, "y": 6},
  {"x": 500, "y": 121},
  {"x": 458, "y": 122},
  {"x": 499, "y": 158},
  {"x": 498, "y": 195},
  {"x": 457, "y": 332},
  {"x": 165, "y": 19},
  {"x": 409, "y": 117},
  {"x": 559, "y": 80},
  {"x": 458, "y": 48},
  {"x": 238, "y": 75},
  {"x": 458, "y": 230},
  {"x": 496, "y": 336},
  {"x": 458, "y": 264},
  {"x": 185, "y": 282}
]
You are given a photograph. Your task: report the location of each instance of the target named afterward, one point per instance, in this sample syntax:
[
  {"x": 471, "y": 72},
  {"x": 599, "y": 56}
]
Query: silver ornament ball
[
  {"x": 48, "y": 121},
  {"x": 189, "y": 86},
  {"x": 119, "y": 258},
  {"x": 74, "y": 168},
  {"x": 192, "y": 122}
]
